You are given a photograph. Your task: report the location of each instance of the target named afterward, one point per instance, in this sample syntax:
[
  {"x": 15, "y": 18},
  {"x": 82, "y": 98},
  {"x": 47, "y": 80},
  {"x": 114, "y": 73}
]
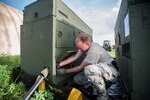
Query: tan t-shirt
[{"x": 97, "y": 54}]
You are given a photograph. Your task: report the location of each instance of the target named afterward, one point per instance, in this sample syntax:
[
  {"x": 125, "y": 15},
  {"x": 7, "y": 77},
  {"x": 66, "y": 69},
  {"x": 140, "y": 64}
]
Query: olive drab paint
[
  {"x": 48, "y": 31},
  {"x": 132, "y": 44}
]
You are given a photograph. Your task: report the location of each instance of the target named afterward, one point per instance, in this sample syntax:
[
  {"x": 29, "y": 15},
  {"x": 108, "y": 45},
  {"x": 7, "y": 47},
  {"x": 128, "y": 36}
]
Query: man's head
[{"x": 83, "y": 42}]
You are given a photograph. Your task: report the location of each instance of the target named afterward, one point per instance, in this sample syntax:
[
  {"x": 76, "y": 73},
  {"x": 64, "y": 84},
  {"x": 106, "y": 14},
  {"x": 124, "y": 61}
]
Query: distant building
[{"x": 10, "y": 21}]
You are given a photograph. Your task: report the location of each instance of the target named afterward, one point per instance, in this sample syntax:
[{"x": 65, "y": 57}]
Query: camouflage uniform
[{"x": 99, "y": 71}]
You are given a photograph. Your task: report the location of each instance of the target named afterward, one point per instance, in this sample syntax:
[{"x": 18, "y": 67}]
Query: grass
[
  {"x": 112, "y": 53},
  {"x": 11, "y": 90}
]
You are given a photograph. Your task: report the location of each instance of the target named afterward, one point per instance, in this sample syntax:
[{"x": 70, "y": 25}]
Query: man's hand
[{"x": 61, "y": 71}]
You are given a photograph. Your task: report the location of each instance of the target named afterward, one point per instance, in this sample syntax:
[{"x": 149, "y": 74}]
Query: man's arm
[
  {"x": 77, "y": 68},
  {"x": 71, "y": 59}
]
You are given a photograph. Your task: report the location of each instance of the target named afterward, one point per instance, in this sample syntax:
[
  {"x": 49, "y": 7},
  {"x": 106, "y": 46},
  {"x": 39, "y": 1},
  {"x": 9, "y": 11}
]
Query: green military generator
[{"x": 47, "y": 35}]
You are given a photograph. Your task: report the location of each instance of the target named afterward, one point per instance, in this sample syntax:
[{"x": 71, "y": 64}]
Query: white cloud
[{"x": 101, "y": 20}]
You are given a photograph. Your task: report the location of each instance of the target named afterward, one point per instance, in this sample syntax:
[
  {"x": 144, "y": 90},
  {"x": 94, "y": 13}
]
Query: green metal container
[
  {"x": 132, "y": 32},
  {"x": 48, "y": 32}
]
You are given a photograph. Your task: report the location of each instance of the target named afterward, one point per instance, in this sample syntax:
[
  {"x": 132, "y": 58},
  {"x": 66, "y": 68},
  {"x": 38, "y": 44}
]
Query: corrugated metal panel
[{"x": 10, "y": 21}]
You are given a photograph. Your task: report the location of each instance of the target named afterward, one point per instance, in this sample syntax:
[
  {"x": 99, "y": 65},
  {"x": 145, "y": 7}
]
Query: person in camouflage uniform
[{"x": 96, "y": 68}]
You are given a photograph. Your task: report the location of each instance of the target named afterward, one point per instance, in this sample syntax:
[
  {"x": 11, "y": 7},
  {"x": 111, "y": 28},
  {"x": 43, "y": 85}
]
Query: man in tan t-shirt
[{"x": 97, "y": 66}]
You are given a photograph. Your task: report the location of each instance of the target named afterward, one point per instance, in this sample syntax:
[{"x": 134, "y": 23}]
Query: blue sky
[
  {"x": 100, "y": 15},
  {"x": 19, "y": 4},
  {"x": 94, "y": 3}
]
